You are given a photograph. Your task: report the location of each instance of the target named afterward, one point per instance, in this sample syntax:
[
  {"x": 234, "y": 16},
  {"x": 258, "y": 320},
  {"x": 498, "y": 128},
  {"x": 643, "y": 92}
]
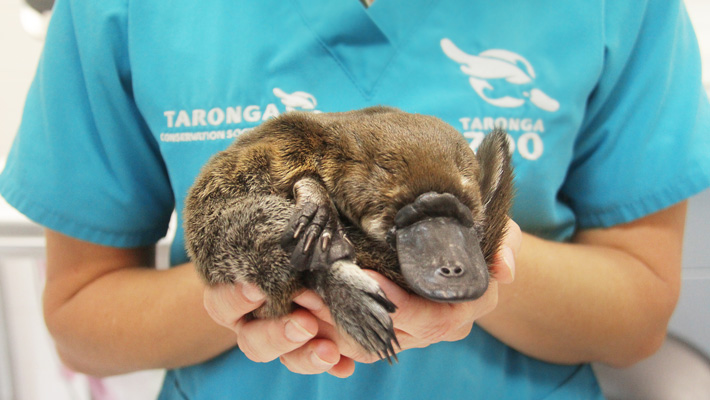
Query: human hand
[
  {"x": 263, "y": 340},
  {"x": 419, "y": 322},
  {"x": 309, "y": 345}
]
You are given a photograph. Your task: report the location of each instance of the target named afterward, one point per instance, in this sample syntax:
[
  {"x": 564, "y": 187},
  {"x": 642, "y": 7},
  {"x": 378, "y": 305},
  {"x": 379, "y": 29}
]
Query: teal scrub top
[{"x": 606, "y": 116}]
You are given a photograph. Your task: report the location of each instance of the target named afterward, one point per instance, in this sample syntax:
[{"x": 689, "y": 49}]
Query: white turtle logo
[
  {"x": 296, "y": 100},
  {"x": 499, "y": 64}
]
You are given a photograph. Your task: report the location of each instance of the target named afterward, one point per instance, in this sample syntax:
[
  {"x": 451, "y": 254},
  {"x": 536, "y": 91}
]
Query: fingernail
[
  {"x": 310, "y": 301},
  {"x": 509, "y": 259},
  {"x": 319, "y": 362},
  {"x": 252, "y": 293},
  {"x": 295, "y": 332}
]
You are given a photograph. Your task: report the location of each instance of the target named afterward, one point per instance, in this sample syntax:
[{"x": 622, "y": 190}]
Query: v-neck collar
[
  {"x": 398, "y": 18},
  {"x": 362, "y": 40}
]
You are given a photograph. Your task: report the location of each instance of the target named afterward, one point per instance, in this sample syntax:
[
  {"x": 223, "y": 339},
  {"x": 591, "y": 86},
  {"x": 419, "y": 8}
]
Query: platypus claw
[{"x": 314, "y": 234}]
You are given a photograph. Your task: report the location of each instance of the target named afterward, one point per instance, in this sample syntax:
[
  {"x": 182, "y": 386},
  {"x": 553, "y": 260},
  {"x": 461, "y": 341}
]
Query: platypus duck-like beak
[{"x": 439, "y": 250}]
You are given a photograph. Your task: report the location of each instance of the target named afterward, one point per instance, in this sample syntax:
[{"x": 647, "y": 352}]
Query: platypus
[{"x": 308, "y": 200}]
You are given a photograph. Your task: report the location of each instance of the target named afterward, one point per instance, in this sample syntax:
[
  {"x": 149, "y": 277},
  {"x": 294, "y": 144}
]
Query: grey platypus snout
[{"x": 439, "y": 251}]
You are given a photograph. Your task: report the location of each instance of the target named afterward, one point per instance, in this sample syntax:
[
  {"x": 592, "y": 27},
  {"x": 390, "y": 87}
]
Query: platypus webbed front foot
[{"x": 314, "y": 234}]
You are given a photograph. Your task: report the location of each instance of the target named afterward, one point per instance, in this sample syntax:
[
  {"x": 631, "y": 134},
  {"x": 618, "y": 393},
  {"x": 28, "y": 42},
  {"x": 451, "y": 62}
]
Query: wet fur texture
[{"x": 359, "y": 168}]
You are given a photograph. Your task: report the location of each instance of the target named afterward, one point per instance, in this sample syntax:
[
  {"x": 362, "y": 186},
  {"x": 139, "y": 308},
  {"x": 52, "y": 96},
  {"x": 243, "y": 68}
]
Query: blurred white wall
[
  {"x": 699, "y": 11},
  {"x": 19, "y": 54}
]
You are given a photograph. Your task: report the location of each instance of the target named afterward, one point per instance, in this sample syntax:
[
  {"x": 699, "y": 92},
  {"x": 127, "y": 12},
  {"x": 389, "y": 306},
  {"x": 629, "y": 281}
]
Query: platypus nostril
[{"x": 450, "y": 272}]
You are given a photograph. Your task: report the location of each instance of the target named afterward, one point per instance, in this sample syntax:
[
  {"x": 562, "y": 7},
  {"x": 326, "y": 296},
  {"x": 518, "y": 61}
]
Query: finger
[
  {"x": 227, "y": 304},
  {"x": 344, "y": 368},
  {"x": 514, "y": 236},
  {"x": 347, "y": 347},
  {"x": 264, "y": 340},
  {"x": 315, "y": 357},
  {"x": 432, "y": 321},
  {"x": 503, "y": 268},
  {"x": 311, "y": 301},
  {"x": 407, "y": 341},
  {"x": 414, "y": 314}
]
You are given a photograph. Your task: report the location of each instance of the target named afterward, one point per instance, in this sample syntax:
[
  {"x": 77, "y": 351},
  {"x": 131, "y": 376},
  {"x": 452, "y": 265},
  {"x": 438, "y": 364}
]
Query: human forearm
[
  {"x": 594, "y": 300},
  {"x": 134, "y": 318}
]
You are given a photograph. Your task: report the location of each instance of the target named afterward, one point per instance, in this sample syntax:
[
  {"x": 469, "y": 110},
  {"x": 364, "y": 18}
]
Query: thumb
[
  {"x": 227, "y": 304},
  {"x": 503, "y": 267}
]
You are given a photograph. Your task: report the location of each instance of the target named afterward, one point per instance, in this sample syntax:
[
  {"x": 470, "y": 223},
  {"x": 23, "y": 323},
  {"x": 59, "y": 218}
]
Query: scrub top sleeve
[
  {"x": 84, "y": 162},
  {"x": 645, "y": 140}
]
